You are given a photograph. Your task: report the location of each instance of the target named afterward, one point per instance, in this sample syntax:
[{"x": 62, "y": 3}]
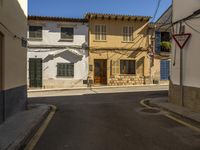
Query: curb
[
  {"x": 30, "y": 144},
  {"x": 149, "y": 103},
  {"x": 33, "y": 130},
  {"x": 90, "y": 88},
  {"x": 17, "y": 138}
]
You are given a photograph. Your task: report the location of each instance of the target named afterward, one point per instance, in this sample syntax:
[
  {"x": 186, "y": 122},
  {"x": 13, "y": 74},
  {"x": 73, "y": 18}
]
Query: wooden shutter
[
  {"x": 158, "y": 41},
  {"x": 164, "y": 69}
]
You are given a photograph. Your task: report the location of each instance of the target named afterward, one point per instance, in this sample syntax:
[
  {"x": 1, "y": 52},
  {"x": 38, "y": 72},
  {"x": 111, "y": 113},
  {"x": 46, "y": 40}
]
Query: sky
[{"x": 78, "y": 8}]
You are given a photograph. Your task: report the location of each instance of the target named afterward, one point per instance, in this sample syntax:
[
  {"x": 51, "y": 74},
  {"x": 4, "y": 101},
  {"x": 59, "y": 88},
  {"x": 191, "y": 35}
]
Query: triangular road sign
[{"x": 181, "y": 39}]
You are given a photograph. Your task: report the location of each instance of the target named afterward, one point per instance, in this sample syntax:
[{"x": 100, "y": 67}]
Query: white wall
[
  {"x": 51, "y": 33},
  {"x": 13, "y": 17},
  {"x": 191, "y": 63},
  {"x": 51, "y": 38}
]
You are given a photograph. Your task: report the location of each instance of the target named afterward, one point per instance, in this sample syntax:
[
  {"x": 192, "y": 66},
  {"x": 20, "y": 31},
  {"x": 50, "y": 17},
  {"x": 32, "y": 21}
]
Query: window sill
[
  {"x": 66, "y": 40},
  {"x": 127, "y": 74},
  {"x": 35, "y": 39},
  {"x": 127, "y": 41},
  {"x": 65, "y": 77},
  {"x": 99, "y": 40}
]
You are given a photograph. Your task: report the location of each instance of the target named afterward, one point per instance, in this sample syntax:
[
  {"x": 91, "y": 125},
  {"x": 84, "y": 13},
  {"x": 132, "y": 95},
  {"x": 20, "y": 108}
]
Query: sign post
[{"x": 181, "y": 40}]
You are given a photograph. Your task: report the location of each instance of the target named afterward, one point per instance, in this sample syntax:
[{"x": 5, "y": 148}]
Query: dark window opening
[
  {"x": 127, "y": 66},
  {"x": 35, "y": 32},
  {"x": 67, "y": 33}
]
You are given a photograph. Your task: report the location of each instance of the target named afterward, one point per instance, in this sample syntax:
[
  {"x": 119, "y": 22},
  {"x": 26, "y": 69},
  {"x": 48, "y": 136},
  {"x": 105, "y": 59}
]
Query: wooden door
[
  {"x": 100, "y": 71},
  {"x": 35, "y": 72}
]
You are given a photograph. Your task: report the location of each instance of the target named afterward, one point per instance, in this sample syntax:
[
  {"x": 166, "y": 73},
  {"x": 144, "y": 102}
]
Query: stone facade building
[
  {"x": 161, "y": 38},
  {"x": 118, "y": 49}
]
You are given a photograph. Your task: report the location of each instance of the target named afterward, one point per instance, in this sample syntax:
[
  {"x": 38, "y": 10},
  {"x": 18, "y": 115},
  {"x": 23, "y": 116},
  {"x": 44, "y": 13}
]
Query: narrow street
[{"x": 112, "y": 122}]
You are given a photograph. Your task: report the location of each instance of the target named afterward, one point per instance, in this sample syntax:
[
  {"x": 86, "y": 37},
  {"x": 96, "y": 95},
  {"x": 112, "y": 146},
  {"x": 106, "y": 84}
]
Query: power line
[
  {"x": 10, "y": 32},
  {"x": 156, "y": 11},
  {"x": 190, "y": 26}
]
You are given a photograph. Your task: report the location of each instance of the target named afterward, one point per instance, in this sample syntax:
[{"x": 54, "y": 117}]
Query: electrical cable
[
  {"x": 190, "y": 26},
  {"x": 10, "y": 32},
  {"x": 156, "y": 11}
]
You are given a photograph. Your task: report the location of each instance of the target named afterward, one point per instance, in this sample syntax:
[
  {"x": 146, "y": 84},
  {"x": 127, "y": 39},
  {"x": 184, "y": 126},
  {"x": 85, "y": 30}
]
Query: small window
[
  {"x": 35, "y": 32},
  {"x": 65, "y": 70},
  {"x": 127, "y": 66},
  {"x": 100, "y": 32},
  {"x": 127, "y": 34},
  {"x": 67, "y": 33}
]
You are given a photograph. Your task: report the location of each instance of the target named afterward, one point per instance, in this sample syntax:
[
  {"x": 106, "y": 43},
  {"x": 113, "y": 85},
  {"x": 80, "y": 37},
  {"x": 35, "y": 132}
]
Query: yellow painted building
[{"x": 118, "y": 49}]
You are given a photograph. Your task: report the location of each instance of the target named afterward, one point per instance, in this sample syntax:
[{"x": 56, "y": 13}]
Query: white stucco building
[
  {"x": 13, "y": 53},
  {"x": 57, "y": 52},
  {"x": 191, "y": 72}
]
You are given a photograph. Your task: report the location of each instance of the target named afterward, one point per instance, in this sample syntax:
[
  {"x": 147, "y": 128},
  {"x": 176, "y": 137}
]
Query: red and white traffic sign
[{"x": 181, "y": 39}]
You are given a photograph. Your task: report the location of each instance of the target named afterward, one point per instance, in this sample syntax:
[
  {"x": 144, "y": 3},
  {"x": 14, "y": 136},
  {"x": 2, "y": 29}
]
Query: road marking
[
  {"x": 166, "y": 114},
  {"x": 31, "y": 144},
  {"x": 142, "y": 102},
  {"x": 183, "y": 123}
]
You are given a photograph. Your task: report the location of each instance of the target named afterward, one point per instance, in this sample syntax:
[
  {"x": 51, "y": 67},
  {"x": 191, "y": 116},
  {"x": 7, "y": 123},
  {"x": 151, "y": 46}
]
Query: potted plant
[{"x": 166, "y": 46}]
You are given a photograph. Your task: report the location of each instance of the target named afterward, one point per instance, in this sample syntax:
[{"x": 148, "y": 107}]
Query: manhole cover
[{"x": 151, "y": 110}]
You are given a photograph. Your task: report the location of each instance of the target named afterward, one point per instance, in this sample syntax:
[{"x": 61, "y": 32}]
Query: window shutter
[
  {"x": 158, "y": 41},
  {"x": 117, "y": 69},
  {"x": 164, "y": 69}
]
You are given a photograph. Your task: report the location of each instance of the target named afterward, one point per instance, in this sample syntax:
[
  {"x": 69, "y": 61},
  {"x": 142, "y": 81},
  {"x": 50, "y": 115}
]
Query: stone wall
[
  {"x": 118, "y": 80},
  {"x": 191, "y": 96}
]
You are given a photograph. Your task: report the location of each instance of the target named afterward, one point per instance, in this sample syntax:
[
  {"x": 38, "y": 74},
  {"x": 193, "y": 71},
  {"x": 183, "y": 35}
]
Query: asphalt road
[{"x": 112, "y": 122}]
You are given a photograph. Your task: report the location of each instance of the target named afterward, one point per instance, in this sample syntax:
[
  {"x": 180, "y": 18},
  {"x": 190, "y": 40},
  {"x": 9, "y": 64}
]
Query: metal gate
[{"x": 35, "y": 72}]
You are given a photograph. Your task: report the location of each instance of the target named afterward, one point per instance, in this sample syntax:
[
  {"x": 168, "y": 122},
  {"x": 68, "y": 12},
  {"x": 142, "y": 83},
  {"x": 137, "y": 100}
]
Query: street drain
[{"x": 148, "y": 110}]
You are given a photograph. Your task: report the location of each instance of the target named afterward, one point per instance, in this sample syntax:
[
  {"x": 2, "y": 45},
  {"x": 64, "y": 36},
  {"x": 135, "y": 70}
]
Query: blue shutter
[
  {"x": 158, "y": 41},
  {"x": 164, "y": 69}
]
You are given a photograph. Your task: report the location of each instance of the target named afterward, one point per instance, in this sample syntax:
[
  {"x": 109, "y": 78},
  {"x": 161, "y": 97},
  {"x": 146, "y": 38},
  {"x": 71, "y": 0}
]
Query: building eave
[
  {"x": 116, "y": 17},
  {"x": 56, "y": 19}
]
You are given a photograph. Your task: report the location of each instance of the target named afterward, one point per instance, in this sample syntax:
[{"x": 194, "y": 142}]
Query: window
[
  {"x": 100, "y": 32},
  {"x": 67, "y": 33},
  {"x": 35, "y": 32},
  {"x": 65, "y": 70},
  {"x": 127, "y": 66},
  {"x": 164, "y": 69},
  {"x": 128, "y": 34}
]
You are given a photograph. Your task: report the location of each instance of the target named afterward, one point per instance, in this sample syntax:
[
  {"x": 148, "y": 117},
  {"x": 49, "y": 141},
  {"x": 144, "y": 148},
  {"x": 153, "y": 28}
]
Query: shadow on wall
[{"x": 67, "y": 55}]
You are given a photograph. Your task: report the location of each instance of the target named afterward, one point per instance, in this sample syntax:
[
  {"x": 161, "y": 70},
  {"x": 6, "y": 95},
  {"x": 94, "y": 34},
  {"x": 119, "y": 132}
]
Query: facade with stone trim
[{"x": 118, "y": 49}]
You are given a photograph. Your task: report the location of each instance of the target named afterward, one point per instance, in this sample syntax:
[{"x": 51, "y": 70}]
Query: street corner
[{"x": 19, "y": 129}]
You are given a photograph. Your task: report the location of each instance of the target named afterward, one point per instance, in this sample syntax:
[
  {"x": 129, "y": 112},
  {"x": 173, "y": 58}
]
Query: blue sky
[{"x": 77, "y": 8}]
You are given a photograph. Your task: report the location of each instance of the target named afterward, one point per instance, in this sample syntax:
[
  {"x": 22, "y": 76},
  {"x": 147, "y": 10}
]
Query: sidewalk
[
  {"x": 95, "y": 90},
  {"x": 180, "y": 111},
  {"x": 94, "y": 87},
  {"x": 18, "y": 129}
]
